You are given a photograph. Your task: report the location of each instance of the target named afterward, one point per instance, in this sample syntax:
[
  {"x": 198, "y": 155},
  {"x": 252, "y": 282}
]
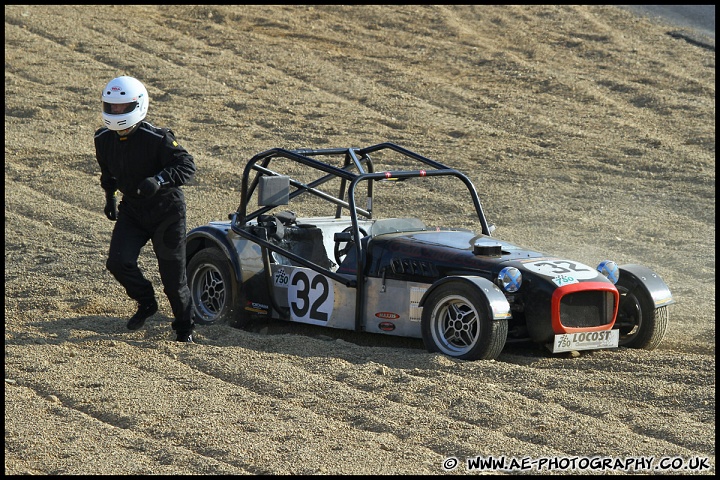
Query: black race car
[{"x": 353, "y": 238}]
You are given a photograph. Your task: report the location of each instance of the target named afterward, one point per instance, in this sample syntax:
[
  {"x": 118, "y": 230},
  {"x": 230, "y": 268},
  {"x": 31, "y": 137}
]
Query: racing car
[{"x": 387, "y": 241}]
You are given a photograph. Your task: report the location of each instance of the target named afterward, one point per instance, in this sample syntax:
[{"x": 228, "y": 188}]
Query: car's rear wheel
[
  {"x": 212, "y": 288},
  {"x": 456, "y": 322},
  {"x": 641, "y": 325}
]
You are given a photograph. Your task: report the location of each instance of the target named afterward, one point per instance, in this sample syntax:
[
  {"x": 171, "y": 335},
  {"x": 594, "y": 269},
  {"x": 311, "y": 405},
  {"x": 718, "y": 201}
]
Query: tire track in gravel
[
  {"x": 374, "y": 414},
  {"x": 380, "y": 413},
  {"x": 583, "y": 408},
  {"x": 167, "y": 35},
  {"x": 123, "y": 410},
  {"x": 112, "y": 445}
]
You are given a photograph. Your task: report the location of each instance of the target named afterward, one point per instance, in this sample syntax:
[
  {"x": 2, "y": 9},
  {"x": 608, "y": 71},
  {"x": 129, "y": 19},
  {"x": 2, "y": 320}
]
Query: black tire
[
  {"x": 456, "y": 322},
  {"x": 641, "y": 325},
  {"x": 212, "y": 287}
]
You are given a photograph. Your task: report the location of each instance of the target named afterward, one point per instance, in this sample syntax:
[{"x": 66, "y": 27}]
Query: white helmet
[{"x": 125, "y": 103}]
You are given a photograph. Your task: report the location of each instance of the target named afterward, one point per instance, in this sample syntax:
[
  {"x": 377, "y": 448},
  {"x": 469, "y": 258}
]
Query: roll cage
[{"x": 271, "y": 188}]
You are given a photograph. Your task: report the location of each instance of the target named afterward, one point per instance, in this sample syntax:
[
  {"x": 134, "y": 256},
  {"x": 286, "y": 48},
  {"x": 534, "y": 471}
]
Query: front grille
[{"x": 589, "y": 308}]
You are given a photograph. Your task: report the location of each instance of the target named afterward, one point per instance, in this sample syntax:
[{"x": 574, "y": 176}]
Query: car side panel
[
  {"x": 393, "y": 307},
  {"x": 306, "y": 296}
]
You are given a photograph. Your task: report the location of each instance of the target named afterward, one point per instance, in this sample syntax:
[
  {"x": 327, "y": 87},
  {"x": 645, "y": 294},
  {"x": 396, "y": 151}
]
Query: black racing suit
[{"x": 124, "y": 163}]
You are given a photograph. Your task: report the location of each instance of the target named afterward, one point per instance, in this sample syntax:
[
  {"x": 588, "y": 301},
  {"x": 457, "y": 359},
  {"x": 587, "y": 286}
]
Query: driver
[{"x": 148, "y": 166}]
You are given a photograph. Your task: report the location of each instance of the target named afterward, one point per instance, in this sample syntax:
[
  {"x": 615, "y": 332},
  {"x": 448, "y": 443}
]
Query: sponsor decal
[
  {"x": 281, "y": 278},
  {"x": 256, "y": 307},
  {"x": 387, "y": 315},
  {"x": 567, "y": 342},
  {"x": 561, "y": 280},
  {"x": 386, "y": 326}
]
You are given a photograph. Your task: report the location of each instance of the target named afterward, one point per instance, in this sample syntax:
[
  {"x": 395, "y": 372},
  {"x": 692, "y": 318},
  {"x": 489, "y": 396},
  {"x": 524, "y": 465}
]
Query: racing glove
[
  {"x": 148, "y": 187},
  {"x": 111, "y": 206},
  {"x": 151, "y": 185}
]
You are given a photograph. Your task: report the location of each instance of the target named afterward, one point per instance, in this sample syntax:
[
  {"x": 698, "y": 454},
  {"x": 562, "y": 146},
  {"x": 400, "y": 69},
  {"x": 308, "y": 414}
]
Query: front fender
[
  {"x": 496, "y": 301},
  {"x": 209, "y": 236},
  {"x": 650, "y": 282}
]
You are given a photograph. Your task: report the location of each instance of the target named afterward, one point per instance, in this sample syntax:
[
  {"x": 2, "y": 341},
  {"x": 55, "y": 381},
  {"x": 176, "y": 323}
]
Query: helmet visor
[{"x": 119, "y": 108}]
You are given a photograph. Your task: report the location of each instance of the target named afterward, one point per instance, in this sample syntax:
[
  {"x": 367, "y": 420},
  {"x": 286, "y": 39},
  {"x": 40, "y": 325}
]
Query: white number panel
[
  {"x": 554, "y": 268},
  {"x": 563, "y": 272},
  {"x": 310, "y": 297}
]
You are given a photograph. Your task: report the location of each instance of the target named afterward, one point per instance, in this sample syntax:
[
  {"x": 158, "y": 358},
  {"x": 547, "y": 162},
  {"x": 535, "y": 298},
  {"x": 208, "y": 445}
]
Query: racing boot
[
  {"x": 144, "y": 311},
  {"x": 185, "y": 337}
]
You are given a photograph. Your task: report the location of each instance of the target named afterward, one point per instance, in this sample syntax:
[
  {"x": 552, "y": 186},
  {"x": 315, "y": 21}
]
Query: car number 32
[
  {"x": 562, "y": 268},
  {"x": 310, "y": 296}
]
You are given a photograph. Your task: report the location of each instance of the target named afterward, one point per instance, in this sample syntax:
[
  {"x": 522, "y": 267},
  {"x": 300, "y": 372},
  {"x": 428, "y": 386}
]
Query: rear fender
[
  {"x": 650, "y": 282},
  {"x": 496, "y": 301},
  {"x": 208, "y": 236}
]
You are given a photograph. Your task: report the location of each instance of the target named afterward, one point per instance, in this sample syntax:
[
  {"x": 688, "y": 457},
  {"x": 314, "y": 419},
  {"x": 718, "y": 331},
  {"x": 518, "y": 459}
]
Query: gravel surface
[{"x": 589, "y": 131}]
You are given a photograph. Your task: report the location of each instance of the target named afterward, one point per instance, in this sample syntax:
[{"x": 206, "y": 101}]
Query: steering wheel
[{"x": 345, "y": 237}]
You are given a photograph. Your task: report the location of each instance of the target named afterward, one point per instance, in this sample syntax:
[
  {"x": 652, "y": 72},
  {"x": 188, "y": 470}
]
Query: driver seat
[{"x": 306, "y": 241}]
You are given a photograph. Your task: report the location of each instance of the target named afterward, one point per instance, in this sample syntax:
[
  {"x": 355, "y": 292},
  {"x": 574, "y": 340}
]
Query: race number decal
[
  {"x": 563, "y": 272},
  {"x": 310, "y": 297}
]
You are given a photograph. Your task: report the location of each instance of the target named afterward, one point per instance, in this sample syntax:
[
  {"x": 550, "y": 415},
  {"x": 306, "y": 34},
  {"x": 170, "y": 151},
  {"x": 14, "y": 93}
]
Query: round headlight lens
[
  {"x": 510, "y": 279},
  {"x": 610, "y": 270}
]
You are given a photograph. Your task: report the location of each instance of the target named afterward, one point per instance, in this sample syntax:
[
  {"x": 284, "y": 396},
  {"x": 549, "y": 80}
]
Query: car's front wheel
[
  {"x": 456, "y": 322},
  {"x": 641, "y": 325},
  {"x": 212, "y": 288}
]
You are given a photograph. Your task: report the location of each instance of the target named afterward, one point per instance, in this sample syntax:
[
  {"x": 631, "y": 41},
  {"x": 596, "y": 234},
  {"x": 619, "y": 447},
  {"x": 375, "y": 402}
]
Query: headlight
[
  {"x": 610, "y": 270},
  {"x": 510, "y": 279}
]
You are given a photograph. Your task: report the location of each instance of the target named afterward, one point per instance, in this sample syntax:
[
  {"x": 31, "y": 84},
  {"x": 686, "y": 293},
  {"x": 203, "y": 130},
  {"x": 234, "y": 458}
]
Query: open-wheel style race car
[{"x": 353, "y": 238}]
